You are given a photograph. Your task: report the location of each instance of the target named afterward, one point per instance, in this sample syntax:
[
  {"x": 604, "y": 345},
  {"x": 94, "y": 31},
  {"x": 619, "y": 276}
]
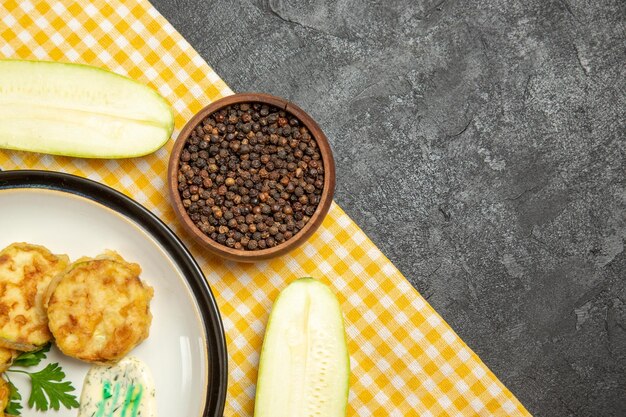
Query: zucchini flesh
[
  {"x": 79, "y": 110},
  {"x": 304, "y": 367}
]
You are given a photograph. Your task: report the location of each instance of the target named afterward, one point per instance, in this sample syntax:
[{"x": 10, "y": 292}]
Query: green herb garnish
[
  {"x": 48, "y": 390},
  {"x": 14, "y": 406},
  {"x": 27, "y": 359}
]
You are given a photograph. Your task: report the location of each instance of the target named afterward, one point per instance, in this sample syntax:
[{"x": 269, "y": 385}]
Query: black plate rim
[{"x": 113, "y": 199}]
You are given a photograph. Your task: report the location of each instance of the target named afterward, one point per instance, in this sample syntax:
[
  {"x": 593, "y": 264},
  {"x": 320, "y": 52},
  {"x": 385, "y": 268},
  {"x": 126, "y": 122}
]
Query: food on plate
[
  {"x": 5, "y": 391},
  {"x": 99, "y": 309},
  {"x": 304, "y": 366},
  {"x": 123, "y": 389},
  {"x": 6, "y": 358},
  {"x": 48, "y": 388},
  {"x": 250, "y": 176},
  {"x": 25, "y": 272},
  {"x": 79, "y": 110}
]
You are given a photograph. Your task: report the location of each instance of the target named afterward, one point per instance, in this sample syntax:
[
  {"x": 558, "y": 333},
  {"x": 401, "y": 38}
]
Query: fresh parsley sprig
[
  {"x": 27, "y": 359},
  {"x": 14, "y": 406},
  {"x": 48, "y": 390}
]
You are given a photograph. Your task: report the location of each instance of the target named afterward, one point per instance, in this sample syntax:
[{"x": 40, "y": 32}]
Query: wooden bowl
[{"x": 311, "y": 226}]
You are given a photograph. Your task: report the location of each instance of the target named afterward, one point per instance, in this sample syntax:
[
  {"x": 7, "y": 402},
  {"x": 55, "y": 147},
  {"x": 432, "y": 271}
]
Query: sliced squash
[
  {"x": 304, "y": 366},
  {"x": 79, "y": 110}
]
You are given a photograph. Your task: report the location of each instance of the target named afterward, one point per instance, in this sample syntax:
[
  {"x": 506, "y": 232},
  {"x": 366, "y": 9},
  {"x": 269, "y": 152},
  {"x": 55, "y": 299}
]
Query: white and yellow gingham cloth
[{"x": 406, "y": 361}]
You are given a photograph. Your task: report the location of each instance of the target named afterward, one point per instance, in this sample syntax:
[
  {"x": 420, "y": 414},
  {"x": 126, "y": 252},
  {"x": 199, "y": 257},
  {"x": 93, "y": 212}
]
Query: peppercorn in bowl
[{"x": 251, "y": 177}]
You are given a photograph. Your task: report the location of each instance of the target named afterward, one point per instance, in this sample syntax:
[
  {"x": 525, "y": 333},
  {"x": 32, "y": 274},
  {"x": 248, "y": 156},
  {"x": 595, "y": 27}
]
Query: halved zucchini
[
  {"x": 79, "y": 110},
  {"x": 304, "y": 367}
]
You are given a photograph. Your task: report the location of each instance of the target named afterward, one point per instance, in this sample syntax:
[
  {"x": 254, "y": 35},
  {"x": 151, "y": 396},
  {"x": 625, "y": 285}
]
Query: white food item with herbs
[{"x": 125, "y": 389}]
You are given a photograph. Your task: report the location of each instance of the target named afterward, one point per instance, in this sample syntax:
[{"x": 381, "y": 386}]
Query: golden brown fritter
[
  {"x": 4, "y": 396},
  {"x": 99, "y": 309},
  {"x": 25, "y": 272},
  {"x": 6, "y": 358}
]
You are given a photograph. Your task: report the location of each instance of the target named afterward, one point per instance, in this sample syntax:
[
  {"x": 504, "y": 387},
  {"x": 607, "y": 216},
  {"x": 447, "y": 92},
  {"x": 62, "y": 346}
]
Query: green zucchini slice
[
  {"x": 79, "y": 110},
  {"x": 304, "y": 367}
]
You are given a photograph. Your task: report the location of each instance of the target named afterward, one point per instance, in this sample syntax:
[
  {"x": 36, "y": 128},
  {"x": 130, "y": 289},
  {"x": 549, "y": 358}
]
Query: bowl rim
[{"x": 316, "y": 219}]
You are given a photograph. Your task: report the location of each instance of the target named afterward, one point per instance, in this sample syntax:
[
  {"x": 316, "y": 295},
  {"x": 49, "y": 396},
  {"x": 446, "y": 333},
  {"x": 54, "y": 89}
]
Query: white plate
[{"x": 71, "y": 215}]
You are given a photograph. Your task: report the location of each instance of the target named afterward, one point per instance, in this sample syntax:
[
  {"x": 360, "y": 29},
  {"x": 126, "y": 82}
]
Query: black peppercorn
[{"x": 250, "y": 176}]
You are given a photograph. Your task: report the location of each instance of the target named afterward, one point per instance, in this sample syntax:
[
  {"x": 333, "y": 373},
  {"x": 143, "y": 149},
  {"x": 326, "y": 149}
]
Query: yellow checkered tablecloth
[{"x": 406, "y": 361}]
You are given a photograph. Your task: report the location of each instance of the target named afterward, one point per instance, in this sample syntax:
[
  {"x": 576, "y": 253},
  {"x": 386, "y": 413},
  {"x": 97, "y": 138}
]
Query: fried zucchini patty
[
  {"x": 6, "y": 358},
  {"x": 5, "y": 392},
  {"x": 25, "y": 272},
  {"x": 99, "y": 309}
]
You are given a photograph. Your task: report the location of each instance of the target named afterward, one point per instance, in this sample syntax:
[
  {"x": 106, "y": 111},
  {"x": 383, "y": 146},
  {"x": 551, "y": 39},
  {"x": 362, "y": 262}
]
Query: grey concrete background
[{"x": 481, "y": 145}]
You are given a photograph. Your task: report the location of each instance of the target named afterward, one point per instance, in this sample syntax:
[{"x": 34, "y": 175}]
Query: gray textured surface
[{"x": 481, "y": 145}]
